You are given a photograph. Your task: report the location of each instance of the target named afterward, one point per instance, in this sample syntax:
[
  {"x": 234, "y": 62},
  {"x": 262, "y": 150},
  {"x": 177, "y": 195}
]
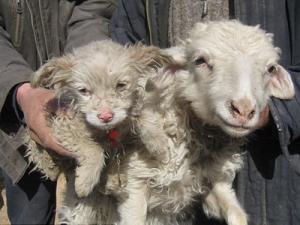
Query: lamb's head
[
  {"x": 101, "y": 80},
  {"x": 233, "y": 70}
]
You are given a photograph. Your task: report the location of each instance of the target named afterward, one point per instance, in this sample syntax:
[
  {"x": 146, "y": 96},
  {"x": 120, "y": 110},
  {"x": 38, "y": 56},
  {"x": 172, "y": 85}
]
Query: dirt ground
[{"x": 59, "y": 194}]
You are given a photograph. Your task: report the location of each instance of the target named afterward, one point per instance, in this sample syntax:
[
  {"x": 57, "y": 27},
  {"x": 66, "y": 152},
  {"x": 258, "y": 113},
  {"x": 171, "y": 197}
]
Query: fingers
[
  {"x": 48, "y": 142},
  {"x": 28, "y": 97},
  {"x": 263, "y": 118},
  {"x": 33, "y": 102}
]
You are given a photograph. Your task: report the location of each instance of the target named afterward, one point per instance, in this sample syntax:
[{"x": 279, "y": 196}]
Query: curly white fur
[
  {"x": 97, "y": 89},
  {"x": 193, "y": 123}
]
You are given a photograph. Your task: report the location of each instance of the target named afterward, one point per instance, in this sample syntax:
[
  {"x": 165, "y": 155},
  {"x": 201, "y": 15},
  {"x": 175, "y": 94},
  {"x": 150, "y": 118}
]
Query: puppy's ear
[
  {"x": 150, "y": 57},
  {"x": 179, "y": 60},
  {"x": 55, "y": 72},
  {"x": 177, "y": 53}
]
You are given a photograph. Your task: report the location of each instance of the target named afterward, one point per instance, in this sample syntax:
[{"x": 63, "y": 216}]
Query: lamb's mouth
[{"x": 234, "y": 129}]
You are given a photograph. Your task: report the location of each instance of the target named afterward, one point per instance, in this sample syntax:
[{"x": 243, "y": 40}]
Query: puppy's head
[{"x": 101, "y": 80}]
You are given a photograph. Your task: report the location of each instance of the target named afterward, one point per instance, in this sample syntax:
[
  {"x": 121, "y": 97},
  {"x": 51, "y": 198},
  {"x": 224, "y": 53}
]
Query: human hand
[
  {"x": 263, "y": 118},
  {"x": 32, "y": 102}
]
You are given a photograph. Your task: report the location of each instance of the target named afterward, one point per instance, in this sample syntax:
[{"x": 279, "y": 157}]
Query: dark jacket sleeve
[
  {"x": 286, "y": 114},
  {"x": 89, "y": 22},
  {"x": 13, "y": 67},
  {"x": 13, "y": 70}
]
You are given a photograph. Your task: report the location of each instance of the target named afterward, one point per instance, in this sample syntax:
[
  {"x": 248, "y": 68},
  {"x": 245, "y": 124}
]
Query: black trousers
[{"x": 31, "y": 201}]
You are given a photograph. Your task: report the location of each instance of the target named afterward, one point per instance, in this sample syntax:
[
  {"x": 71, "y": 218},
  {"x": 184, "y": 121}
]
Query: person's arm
[
  {"x": 13, "y": 68},
  {"x": 89, "y": 22},
  {"x": 14, "y": 76},
  {"x": 285, "y": 114}
]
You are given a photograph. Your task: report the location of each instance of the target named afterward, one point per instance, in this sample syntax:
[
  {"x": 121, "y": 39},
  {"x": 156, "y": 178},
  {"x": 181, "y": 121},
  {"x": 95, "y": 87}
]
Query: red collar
[{"x": 112, "y": 136}]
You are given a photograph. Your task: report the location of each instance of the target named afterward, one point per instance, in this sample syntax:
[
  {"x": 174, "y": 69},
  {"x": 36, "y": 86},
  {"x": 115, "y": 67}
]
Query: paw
[
  {"x": 237, "y": 216},
  {"x": 88, "y": 174},
  {"x": 84, "y": 185}
]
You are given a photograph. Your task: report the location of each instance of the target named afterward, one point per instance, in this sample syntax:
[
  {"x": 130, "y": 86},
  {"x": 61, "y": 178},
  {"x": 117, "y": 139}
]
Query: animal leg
[
  {"x": 222, "y": 202},
  {"x": 133, "y": 210},
  {"x": 88, "y": 171},
  {"x": 78, "y": 211},
  {"x": 153, "y": 138}
]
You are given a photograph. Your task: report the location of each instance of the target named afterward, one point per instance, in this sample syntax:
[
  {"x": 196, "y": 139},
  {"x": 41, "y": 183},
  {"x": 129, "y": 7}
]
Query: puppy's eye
[
  {"x": 272, "y": 69},
  {"x": 200, "y": 61},
  {"x": 84, "y": 91},
  {"x": 121, "y": 86}
]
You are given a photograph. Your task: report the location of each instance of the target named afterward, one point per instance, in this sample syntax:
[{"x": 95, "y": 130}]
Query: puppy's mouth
[
  {"x": 118, "y": 117},
  {"x": 108, "y": 126}
]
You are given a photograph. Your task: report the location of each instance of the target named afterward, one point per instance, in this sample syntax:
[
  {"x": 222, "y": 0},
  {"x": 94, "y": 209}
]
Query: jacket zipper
[
  {"x": 19, "y": 23},
  {"x": 149, "y": 22},
  {"x": 34, "y": 34},
  {"x": 204, "y": 8},
  {"x": 264, "y": 204},
  {"x": 43, "y": 28}
]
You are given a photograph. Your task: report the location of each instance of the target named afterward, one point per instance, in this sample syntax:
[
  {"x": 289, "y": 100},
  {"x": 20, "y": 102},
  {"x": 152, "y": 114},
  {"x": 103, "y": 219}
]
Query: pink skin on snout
[
  {"x": 105, "y": 115},
  {"x": 242, "y": 110}
]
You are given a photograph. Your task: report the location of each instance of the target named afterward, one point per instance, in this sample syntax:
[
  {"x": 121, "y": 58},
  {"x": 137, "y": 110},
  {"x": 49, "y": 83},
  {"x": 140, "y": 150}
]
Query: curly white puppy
[{"x": 97, "y": 88}]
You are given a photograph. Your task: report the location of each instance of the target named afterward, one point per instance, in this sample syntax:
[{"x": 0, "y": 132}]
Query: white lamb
[{"x": 192, "y": 125}]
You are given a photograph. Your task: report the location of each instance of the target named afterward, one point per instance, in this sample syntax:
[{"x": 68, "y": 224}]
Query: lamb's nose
[
  {"x": 105, "y": 116},
  {"x": 242, "y": 110}
]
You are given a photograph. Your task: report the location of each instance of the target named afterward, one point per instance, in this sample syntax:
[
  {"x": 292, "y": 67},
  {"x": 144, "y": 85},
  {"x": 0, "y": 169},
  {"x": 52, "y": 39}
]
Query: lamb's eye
[
  {"x": 84, "y": 91},
  {"x": 200, "y": 61},
  {"x": 272, "y": 69},
  {"x": 121, "y": 86}
]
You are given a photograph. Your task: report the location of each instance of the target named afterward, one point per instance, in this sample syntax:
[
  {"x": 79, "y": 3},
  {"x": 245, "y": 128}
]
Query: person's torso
[{"x": 36, "y": 28}]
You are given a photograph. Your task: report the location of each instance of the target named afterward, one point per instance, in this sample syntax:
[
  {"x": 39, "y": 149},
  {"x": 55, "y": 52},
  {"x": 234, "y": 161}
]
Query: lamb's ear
[
  {"x": 54, "y": 72},
  {"x": 281, "y": 84}
]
